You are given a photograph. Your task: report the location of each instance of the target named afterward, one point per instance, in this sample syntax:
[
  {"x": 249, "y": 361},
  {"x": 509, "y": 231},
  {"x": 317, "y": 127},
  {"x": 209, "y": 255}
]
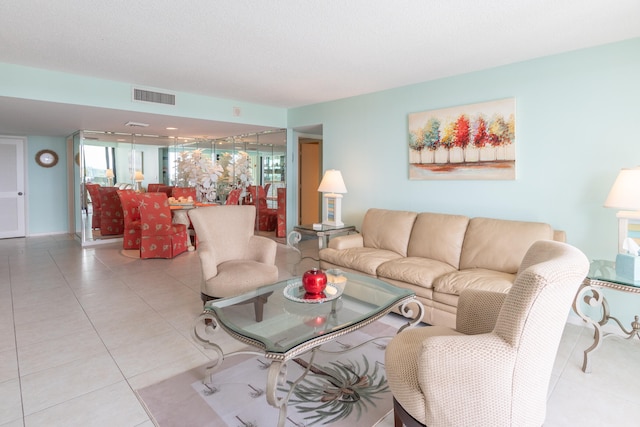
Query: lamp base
[{"x": 332, "y": 209}]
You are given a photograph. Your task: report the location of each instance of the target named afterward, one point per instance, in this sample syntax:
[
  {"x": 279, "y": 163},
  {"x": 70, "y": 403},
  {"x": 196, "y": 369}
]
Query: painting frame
[{"x": 466, "y": 142}]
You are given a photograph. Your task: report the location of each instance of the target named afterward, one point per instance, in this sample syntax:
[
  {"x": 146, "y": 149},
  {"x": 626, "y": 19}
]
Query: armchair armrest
[
  {"x": 262, "y": 249},
  {"x": 466, "y": 365},
  {"x": 478, "y": 311},
  {"x": 208, "y": 261},
  {"x": 346, "y": 242}
]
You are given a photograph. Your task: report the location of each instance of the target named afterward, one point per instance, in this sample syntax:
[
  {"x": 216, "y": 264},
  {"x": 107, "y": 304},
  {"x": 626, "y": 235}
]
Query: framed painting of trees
[{"x": 474, "y": 141}]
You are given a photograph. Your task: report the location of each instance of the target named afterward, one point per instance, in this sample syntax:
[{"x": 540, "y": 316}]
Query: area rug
[{"x": 345, "y": 386}]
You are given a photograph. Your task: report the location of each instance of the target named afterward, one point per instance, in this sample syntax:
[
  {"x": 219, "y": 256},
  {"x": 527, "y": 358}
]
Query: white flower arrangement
[
  {"x": 237, "y": 170},
  {"x": 194, "y": 169}
]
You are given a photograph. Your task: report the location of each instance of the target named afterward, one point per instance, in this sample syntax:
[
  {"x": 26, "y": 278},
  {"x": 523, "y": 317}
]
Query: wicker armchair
[{"x": 494, "y": 369}]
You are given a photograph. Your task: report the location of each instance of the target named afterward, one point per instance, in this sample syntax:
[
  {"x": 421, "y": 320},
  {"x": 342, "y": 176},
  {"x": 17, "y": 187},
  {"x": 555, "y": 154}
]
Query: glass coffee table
[{"x": 293, "y": 325}]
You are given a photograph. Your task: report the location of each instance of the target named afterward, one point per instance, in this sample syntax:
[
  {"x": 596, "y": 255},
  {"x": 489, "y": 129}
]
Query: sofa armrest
[
  {"x": 346, "y": 242},
  {"x": 478, "y": 311}
]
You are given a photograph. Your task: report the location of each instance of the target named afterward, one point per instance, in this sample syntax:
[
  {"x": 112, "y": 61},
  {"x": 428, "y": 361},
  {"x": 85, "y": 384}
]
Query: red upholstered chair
[
  {"x": 132, "y": 224},
  {"x": 153, "y": 188},
  {"x": 281, "y": 227},
  {"x": 234, "y": 197},
  {"x": 185, "y": 192},
  {"x": 160, "y": 238},
  {"x": 95, "y": 204},
  {"x": 111, "y": 215},
  {"x": 266, "y": 218}
]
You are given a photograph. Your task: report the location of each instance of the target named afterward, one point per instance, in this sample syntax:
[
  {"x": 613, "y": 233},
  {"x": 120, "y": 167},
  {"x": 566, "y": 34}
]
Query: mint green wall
[
  {"x": 47, "y": 188},
  {"x": 576, "y": 126},
  {"x": 576, "y": 117},
  {"x": 44, "y": 85}
]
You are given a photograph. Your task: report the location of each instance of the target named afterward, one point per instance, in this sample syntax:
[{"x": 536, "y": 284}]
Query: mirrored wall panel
[{"x": 243, "y": 169}]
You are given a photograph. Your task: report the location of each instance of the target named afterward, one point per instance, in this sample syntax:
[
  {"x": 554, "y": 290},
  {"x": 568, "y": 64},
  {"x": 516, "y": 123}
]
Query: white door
[{"x": 12, "y": 198}]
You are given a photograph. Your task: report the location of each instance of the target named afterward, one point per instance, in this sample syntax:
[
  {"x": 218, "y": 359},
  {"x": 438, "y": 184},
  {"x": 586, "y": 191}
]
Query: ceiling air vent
[{"x": 157, "y": 97}]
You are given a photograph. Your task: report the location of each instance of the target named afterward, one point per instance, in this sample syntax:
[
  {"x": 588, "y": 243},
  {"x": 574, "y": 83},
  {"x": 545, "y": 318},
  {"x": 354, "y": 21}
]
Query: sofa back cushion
[
  {"x": 438, "y": 237},
  {"x": 387, "y": 229},
  {"x": 500, "y": 245}
]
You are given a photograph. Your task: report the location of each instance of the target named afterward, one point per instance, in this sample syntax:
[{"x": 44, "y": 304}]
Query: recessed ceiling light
[{"x": 172, "y": 128}]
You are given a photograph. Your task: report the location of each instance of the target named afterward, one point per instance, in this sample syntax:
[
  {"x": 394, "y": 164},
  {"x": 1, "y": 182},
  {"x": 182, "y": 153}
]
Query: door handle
[{"x": 20, "y": 193}]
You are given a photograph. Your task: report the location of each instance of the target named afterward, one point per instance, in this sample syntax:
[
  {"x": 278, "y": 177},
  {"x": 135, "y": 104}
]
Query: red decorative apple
[{"x": 314, "y": 281}]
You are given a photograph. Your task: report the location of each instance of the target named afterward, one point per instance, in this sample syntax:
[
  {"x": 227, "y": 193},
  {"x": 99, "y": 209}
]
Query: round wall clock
[{"x": 47, "y": 158}]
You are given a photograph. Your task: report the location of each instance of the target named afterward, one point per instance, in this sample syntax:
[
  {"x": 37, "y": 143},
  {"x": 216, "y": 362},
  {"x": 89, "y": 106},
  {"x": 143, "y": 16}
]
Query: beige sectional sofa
[{"x": 436, "y": 255}]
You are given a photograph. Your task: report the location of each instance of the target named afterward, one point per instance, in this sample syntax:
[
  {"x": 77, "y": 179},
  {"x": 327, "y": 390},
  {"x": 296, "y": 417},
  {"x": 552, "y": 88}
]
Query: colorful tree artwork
[{"x": 475, "y": 141}]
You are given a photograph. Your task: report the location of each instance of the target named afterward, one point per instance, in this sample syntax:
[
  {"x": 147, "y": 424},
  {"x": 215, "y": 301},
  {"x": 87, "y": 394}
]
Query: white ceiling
[{"x": 284, "y": 53}]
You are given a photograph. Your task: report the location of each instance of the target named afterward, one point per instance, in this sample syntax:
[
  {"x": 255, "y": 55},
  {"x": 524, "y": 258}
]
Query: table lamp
[
  {"x": 625, "y": 194},
  {"x": 109, "y": 175},
  {"x": 138, "y": 178},
  {"x": 332, "y": 186}
]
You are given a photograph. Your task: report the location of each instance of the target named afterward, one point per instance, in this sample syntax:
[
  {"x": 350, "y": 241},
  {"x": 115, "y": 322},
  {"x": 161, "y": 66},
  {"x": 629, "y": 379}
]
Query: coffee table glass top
[{"x": 288, "y": 323}]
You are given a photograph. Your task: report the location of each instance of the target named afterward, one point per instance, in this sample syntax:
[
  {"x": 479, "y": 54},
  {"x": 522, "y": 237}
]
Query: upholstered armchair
[
  {"x": 233, "y": 259},
  {"x": 160, "y": 238},
  {"x": 266, "y": 218},
  {"x": 111, "y": 215},
  {"x": 494, "y": 369},
  {"x": 281, "y": 226},
  {"x": 131, "y": 215},
  {"x": 234, "y": 197},
  {"x": 185, "y": 192},
  {"x": 95, "y": 204},
  {"x": 160, "y": 188}
]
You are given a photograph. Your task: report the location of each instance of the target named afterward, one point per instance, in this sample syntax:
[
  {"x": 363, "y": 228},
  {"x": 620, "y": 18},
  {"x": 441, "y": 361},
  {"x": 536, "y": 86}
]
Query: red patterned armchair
[
  {"x": 131, "y": 214},
  {"x": 281, "y": 228},
  {"x": 160, "y": 188},
  {"x": 266, "y": 218},
  {"x": 95, "y": 204},
  {"x": 160, "y": 238},
  {"x": 111, "y": 216},
  {"x": 234, "y": 197},
  {"x": 185, "y": 192}
]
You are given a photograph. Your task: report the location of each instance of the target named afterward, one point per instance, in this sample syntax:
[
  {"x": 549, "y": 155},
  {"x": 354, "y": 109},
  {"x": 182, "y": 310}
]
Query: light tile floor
[{"x": 80, "y": 329}]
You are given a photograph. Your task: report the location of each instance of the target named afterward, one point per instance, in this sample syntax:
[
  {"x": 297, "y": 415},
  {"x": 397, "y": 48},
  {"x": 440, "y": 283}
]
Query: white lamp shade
[
  {"x": 138, "y": 176},
  {"x": 625, "y": 193},
  {"x": 332, "y": 182},
  {"x": 109, "y": 173}
]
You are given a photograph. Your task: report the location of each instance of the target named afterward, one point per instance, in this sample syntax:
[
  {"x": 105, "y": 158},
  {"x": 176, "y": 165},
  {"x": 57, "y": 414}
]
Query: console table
[{"x": 602, "y": 274}]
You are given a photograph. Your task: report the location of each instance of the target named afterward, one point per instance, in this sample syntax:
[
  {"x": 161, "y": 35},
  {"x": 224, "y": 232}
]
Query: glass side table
[
  {"x": 323, "y": 232},
  {"x": 602, "y": 274}
]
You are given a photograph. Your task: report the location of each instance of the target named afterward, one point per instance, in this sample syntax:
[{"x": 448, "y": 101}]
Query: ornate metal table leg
[
  {"x": 277, "y": 376},
  {"x": 407, "y": 312},
  {"x": 595, "y": 299},
  {"x": 204, "y": 330}
]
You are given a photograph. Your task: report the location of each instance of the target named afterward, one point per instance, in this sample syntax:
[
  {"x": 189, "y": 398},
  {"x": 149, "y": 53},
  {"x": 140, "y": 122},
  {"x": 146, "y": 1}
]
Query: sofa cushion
[
  {"x": 416, "y": 271},
  {"x": 365, "y": 260},
  {"x": 476, "y": 278},
  {"x": 500, "y": 245},
  {"x": 388, "y": 229},
  {"x": 439, "y": 237}
]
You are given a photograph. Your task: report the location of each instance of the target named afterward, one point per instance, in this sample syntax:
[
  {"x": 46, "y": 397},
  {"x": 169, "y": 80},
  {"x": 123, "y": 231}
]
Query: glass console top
[{"x": 606, "y": 271}]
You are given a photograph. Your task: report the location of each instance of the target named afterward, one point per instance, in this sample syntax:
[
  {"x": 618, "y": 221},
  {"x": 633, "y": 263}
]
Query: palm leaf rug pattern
[{"x": 342, "y": 388}]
